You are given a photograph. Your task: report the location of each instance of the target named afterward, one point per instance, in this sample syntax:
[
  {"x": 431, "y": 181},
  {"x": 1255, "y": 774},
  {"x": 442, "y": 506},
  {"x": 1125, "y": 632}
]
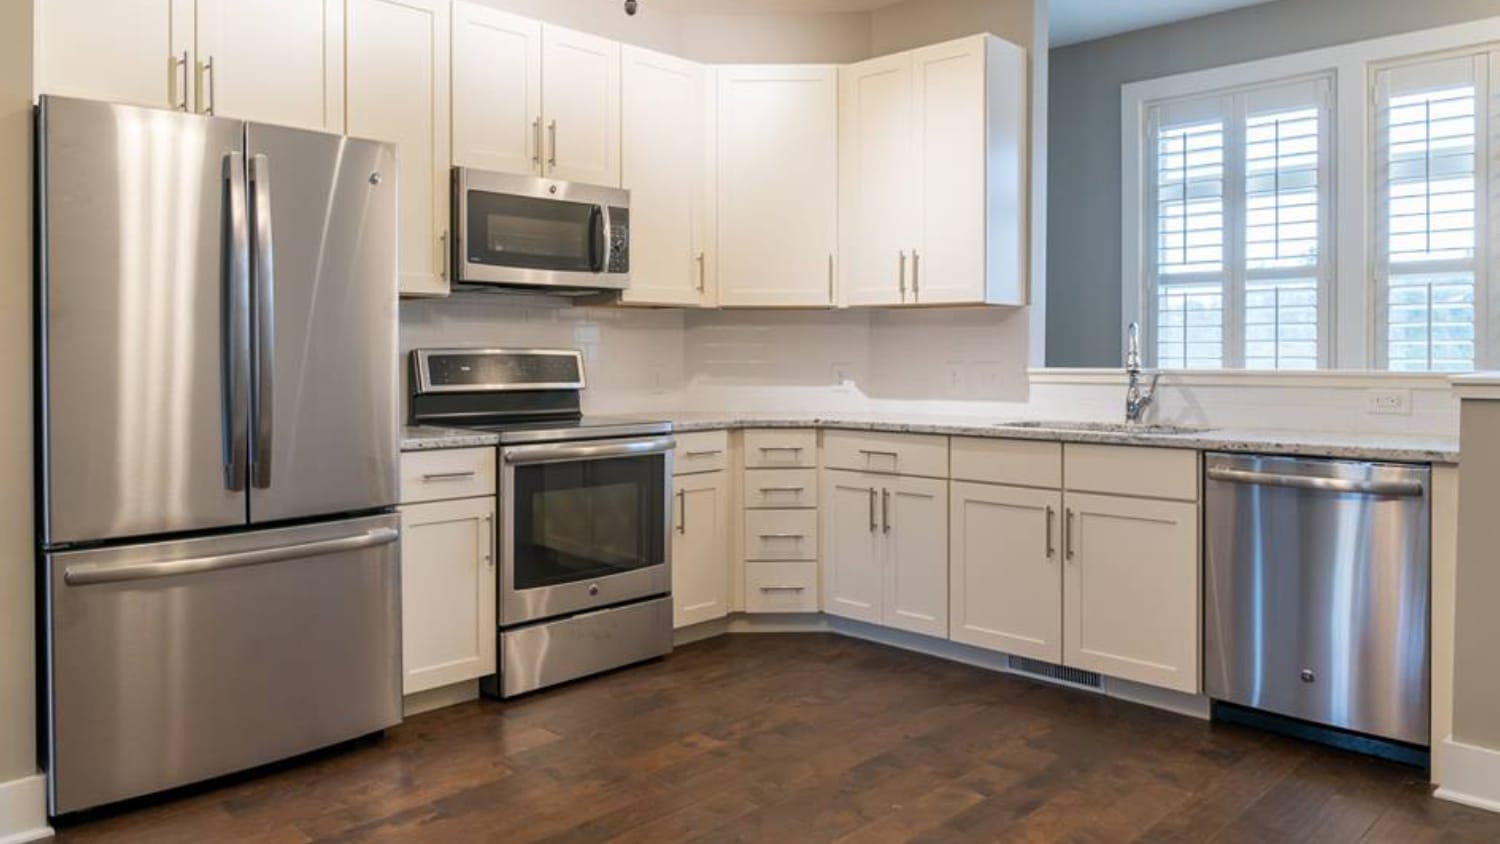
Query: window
[
  {"x": 1430, "y": 164},
  {"x": 1239, "y": 186}
]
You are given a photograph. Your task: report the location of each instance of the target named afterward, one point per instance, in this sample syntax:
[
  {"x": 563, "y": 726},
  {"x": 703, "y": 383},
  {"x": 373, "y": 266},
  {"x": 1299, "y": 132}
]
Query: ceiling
[{"x": 1073, "y": 21}]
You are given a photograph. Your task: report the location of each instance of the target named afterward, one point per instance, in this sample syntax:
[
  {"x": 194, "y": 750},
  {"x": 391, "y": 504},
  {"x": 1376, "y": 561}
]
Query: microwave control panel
[{"x": 619, "y": 240}]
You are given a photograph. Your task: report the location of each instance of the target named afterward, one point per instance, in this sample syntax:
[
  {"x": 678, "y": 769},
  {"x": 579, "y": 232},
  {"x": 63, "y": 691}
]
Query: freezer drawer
[
  {"x": 177, "y": 662},
  {"x": 1317, "y": 584}
]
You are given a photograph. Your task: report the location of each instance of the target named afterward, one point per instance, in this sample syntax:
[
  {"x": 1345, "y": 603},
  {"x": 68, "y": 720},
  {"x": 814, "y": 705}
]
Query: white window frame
[{"x": 1352, "y": 338}]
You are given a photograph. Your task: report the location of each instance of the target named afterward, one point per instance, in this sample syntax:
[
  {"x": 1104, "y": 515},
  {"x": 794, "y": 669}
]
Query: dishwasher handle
[{"x": 1390, "y": 488}]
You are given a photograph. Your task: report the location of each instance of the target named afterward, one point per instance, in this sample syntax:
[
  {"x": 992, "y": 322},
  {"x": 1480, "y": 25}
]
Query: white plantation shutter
[
  {"x": 1240, "y": 189},
  {"x": 1431, "y": 151}
]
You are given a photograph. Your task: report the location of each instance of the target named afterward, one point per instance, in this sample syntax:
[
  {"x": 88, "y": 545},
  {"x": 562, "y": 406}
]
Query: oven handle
[{"x": 556, "y": 453}]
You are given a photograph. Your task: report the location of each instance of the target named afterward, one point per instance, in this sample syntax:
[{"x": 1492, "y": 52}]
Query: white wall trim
[
  {"x": 1471, "y": 775},
  {"x": 23, "y": 810},
  {"x": 1348, "y": 378},
  {"x": 1353, "y": 326}
]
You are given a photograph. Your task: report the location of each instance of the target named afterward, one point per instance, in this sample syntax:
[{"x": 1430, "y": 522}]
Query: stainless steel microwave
[{"x": 526, "y": 231}]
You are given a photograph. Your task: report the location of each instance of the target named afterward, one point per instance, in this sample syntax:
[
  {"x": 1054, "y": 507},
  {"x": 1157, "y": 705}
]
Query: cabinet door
[
  {"x": 1130, "y": 589},
  {"x": 950, "y": 127},
  {"x": 877, "y": 188},
  {"x": 1005, "y": 571},
  {"x": 853, "y": 546},
  {"x": 397, "y": 86},
  {"x": 497, "y": 90},
  {"x": 777, "y": 185},
  {"x": 447, "y": 592},
  {"x": 700, "y": 548},
  {"x": 127, "y": 51},
  {"x": 581, "y": 101},
  {"x": 273, "y": 61},
  {"x": 661, "y": 147},
  {"x": 915, "y": 522}
]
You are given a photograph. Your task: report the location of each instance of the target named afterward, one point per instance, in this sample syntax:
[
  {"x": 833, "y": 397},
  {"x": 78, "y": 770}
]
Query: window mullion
[{"x": 1235, "y": 149}]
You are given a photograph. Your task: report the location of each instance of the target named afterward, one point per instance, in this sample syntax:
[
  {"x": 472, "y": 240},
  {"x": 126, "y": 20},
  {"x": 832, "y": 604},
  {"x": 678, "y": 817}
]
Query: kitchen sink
[{"x": 1103, "y": 427}]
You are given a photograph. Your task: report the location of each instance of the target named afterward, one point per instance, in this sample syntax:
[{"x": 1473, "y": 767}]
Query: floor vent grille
[{"x": 1061, "y": 673}]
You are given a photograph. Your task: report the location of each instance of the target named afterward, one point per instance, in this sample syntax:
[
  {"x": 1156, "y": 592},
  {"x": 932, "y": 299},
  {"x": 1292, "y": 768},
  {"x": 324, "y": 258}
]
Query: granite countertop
[{"x": 1338, "y": 444}]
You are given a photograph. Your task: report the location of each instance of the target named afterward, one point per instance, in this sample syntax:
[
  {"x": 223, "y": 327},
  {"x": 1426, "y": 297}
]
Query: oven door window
[
  {"x": 506, "y": 230},
  {"x": 587, "y": 520}
]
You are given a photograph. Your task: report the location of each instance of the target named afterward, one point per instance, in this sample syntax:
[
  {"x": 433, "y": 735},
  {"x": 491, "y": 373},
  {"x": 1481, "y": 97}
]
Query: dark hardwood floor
[{"x": 807, "y": 738}]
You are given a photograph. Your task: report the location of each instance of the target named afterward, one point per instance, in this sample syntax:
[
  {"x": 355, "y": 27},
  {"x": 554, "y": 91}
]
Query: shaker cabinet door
[
  {"x": 448, "y": 632},
  {"x": 700, "y": 548},
  {"x": 1006, "y": 569},
  {"x": 581, "y": 105},
  {"x": 497, "y": 90}
]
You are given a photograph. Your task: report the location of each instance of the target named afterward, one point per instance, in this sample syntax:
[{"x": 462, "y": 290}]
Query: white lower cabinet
[
  {"x": 1131, "y": 589},
  {"x": 700, "y": 548},
  {"x": 886, "y": 550},
  {"x": 447, "y": 592},
  {"x": 1005, "y": 569}
]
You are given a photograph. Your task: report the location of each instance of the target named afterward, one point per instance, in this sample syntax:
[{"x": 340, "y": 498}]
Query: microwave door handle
[{"x": 599, "y": 238}]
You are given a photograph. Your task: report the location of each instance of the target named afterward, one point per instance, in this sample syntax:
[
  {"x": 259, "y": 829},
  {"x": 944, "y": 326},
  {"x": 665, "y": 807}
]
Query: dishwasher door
[{"x": 1316, "y": 591}]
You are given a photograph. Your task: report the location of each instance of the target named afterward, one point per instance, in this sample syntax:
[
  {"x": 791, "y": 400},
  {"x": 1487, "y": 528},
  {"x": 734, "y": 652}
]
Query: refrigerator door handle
[
  {"x": 236, "y": 328},
  {"x": 88, "y": 574},
  {"x": 263, "y": 268}
]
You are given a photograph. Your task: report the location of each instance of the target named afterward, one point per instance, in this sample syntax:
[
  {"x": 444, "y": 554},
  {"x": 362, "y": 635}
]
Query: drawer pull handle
[
  {"x": 872, "y": 452},
  {"x": 796, "y": 448},
  {"x": 709, "y": 453},
  {"x": 796, "y": 489},
  {"x": 783, "y": 536},
  {"x": 783, "y": 588},
  {"x": 449, "y": 476}
]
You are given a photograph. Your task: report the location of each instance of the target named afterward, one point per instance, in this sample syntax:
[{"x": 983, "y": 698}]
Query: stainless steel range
[{"x": 585, "y": 503}]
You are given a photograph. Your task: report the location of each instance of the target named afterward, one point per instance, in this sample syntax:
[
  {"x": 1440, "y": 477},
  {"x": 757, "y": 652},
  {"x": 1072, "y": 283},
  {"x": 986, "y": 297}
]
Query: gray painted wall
[{"x": 1083, "y": 238}]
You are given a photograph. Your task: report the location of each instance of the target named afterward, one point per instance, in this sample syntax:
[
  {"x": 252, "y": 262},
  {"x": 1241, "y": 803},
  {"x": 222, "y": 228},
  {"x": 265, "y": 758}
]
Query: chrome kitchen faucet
[{"x": 1136, "y": 401}]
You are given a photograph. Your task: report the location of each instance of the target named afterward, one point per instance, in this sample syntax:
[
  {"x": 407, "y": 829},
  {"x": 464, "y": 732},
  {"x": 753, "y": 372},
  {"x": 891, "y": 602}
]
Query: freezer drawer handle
[
  {"x": 1398, "y": 489},
  {"x": 87, "y": 574}
]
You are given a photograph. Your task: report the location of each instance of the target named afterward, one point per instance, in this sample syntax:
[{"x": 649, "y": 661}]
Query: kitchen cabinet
[
  {"x": 776, "y": 185},
  {"x": 886, "y": 550},
  {"x": 700, "y": 548},
  {"x": 397, "y": 65},
  {"x": 781, "y": 520},
  {"x": 448, "y": 628},
  {"x": 663, "y": 133},
  {"x": 1130, "y": 589},
  {"x": 1005, "y": 570},
  {"x": 533, "y": 98},
  {"x": 274, "y": 61},
  {"x": 933, "y": 194}
]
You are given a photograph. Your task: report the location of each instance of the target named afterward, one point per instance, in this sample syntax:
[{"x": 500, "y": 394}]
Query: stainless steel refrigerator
[{"x": 217, "y": 391}]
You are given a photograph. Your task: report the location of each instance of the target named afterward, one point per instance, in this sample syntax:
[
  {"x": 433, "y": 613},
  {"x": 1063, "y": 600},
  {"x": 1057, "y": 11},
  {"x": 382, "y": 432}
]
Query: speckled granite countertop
[{"x": 1337, "y": 444}]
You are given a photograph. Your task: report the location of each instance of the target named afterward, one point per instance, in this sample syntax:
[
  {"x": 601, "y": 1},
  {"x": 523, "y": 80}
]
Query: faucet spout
[{"x": 1136, "y": 399}]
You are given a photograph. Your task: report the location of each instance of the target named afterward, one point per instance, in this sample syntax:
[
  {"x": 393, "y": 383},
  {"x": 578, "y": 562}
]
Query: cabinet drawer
[
  {"x": 1131, "y": 470},
  {"x": 700, "y": 451},
  {"x": 774, "y": 449},
  {"x": 447, "y": 473},
  {"x": 781, "y": 534},
  {"x": 781, "y": 587},
  {"x": 892, "y": 454},
  {"x": 1014, "y": 462},
  {"x": 781, "y": 488}
]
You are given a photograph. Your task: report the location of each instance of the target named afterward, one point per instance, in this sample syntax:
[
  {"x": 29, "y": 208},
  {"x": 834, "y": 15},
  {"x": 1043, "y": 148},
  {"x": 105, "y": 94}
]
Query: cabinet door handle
[
  {"x": 443, "y": 255},
  {"x": 885, "y": 511},
  {"x": 1068, "y": 535},
  {"x": 177, "y": 81},
  {"x": 830, "y": 278},
  {"x": 489, "y": 550},
  {"x": 449, "y": 476},
  {"x": 702, "y": 272},
  {"x": 536, "y": 142},
  {"x": 902, "y": 275},
  {"x": 916, "y": 275},
  {"x": 682, "y": 511},
  {"x": 552, "y": 155},
  {"x": 206, "y": 71},
  {"x": 873, "y": 525},
  {"x": 1050, "y": 549}
]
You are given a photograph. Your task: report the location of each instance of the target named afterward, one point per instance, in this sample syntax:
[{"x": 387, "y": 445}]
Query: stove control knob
[{"x": 593, "y": 588}]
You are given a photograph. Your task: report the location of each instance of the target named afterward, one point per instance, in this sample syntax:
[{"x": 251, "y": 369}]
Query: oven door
[
  {"x": 585, "y": 525},
  {"x": 528, "y": 231}
]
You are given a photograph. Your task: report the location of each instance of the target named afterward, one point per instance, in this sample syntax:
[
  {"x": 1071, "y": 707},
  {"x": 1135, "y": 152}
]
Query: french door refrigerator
[{"x": 217, "y": 445}]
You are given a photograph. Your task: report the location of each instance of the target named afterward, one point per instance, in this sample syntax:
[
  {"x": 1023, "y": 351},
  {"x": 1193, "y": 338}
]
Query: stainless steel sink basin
[{"x": 1103, "y": 427}]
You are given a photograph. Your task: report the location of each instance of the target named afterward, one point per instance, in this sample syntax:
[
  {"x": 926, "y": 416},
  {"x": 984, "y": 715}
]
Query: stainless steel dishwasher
[{"x": 1316, "y": 591}]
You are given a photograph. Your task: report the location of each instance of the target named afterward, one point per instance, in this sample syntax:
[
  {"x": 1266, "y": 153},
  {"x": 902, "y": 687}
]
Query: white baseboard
[
  {"x": 1471, "y": 775},
  {"x": 23, "y": 810}
]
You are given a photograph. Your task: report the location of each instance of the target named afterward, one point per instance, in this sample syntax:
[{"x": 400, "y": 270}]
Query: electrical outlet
[{"x": 1393, "y": 402}]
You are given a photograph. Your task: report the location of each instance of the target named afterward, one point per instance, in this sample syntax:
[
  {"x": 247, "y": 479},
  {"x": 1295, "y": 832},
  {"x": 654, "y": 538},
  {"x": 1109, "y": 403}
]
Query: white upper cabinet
[
  {"x": 497, "y": 90},
  {"x": 777, "y": 185},
  {"x": 275, "y": 61},
  {"x": 581, "y": 101},
  {"x": 397, "y": 88},
  {"x": 877, "y": 180},
  {"x": 943, "y": 184},
  {"x": 129, "y": 51},
  {"x": 662, "y": 141}
]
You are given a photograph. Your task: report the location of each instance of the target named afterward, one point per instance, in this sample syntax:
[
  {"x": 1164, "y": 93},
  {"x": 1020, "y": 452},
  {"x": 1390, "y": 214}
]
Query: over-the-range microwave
[{"x": 526, "y": 231}]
